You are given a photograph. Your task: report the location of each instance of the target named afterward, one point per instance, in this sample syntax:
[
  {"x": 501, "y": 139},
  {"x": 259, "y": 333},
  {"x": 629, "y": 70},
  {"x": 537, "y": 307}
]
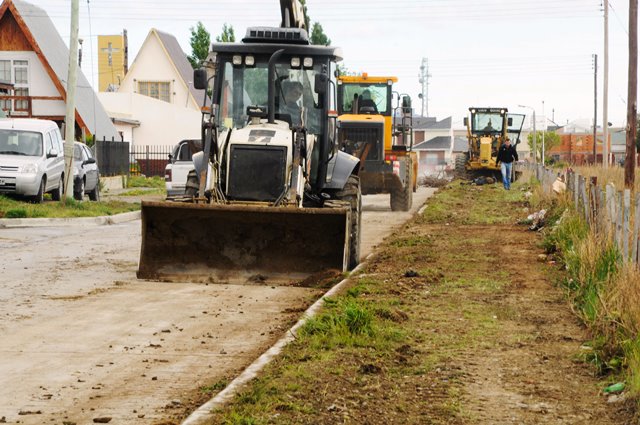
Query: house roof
[
  {"x": 180, "y": 61},
  {"x": 431, "y": 123},
  {"x": 54, "y": 54},
  {"x": 437, "y": 143},
  {"x": 460, "y": 144}
]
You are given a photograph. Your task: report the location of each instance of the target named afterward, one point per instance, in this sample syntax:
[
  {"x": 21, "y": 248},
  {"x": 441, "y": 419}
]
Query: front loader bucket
[{"x": 240, "y": 243}]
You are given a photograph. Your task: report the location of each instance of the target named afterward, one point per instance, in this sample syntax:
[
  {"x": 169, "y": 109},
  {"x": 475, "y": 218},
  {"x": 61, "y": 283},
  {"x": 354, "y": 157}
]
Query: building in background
[
  {"x": 112, "y": 61},
  {"x": 34, "y": 63}
]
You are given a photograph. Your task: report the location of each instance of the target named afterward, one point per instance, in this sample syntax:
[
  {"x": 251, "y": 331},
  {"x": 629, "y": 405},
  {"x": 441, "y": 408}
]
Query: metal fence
[
  {"x": 112, "y": 157},
  {"x": 119, "y": 158},
  {"x": 149, "y": 160},
  {"x": 608, "y": 211}
]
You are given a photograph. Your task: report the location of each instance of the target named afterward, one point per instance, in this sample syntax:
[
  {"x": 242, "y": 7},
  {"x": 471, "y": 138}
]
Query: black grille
[
  {"x": 257, "y": 173},
  {"x": 354, "y": 141}
]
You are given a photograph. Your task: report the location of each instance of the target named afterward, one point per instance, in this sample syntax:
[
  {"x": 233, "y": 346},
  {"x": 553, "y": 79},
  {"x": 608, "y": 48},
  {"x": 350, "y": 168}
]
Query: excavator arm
[{"x": 292, "y": 14}]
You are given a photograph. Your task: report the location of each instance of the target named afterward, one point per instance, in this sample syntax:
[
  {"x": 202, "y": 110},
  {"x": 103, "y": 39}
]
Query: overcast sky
[{"x": 501, "y": 53}]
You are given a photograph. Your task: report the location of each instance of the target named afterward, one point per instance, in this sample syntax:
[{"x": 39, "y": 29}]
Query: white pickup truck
[{"x": 175, "y": 173}]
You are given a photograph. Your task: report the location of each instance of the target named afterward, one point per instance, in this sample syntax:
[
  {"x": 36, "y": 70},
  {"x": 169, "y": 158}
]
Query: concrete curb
[
  {"x": 202, "y": 415},
  {"x": 69, "y": 221}
]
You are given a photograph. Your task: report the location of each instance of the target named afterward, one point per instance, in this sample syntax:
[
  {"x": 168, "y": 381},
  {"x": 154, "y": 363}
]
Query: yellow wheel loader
[
  {"x": 379, "y": 132},
  {"x": 487, "y": 129},
  {"x": 271, "y": 198}
]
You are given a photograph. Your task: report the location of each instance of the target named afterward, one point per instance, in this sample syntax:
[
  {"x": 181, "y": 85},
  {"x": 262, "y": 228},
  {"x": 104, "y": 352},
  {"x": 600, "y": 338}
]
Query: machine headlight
[
  {"x": 237, "y": 60},
  {"x": 295, "y": 62},
  {"x": 249, "y": 61},
  {"x": 308, "y": 62},
  {"x": 29, "y": 169}
]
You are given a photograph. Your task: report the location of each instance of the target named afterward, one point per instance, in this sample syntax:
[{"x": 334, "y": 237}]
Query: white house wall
[
  {"x": 40, "y": 84},
  {"x": 161, "y": 123},
  {"x": 153, "y": 64}
]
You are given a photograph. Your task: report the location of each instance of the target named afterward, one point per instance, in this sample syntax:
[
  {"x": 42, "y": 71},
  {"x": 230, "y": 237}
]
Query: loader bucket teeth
[{"x": 240, "y": 244}]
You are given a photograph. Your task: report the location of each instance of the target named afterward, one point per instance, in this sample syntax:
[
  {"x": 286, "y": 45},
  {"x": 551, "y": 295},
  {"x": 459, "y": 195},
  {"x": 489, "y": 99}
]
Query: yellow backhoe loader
[
  {"x": 378, "y": 131},
  {"x": 271, "y": 198}
]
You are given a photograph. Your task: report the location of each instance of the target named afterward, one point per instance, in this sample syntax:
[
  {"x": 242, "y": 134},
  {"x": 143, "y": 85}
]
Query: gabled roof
[
  {"x": 54, "y": 55},
  {"x": 460, "y": 144},
  {"x": 178, "y": 60},
  {"x": 435, "y": 144},
  {"x": 431, "y": 123}
]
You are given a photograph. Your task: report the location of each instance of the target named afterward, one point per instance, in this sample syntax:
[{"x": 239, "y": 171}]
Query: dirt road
[{"x": 83, "y": 339}]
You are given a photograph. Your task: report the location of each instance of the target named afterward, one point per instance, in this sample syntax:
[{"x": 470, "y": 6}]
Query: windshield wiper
[{"x": 12, "y": 153}]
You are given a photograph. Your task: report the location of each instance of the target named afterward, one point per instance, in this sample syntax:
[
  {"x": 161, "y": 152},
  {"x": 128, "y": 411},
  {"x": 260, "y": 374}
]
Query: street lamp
[{"x": 535, "y": 150}]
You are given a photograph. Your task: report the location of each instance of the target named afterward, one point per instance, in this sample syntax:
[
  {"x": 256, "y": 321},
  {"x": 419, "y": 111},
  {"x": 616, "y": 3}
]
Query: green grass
[
  {"x": 454, "y": 204},
  {"x": 140, "y": 181},
  {"x": 15, "y": 208},
  {"x": 141, "y": 192}
]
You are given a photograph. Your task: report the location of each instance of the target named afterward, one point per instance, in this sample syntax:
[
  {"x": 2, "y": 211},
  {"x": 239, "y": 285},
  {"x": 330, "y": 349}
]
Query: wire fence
[{"x": 608, "y": 211}]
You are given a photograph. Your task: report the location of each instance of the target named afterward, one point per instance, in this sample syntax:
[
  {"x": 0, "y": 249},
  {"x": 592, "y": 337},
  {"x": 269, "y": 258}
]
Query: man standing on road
[{"x": 506, "y": 155}]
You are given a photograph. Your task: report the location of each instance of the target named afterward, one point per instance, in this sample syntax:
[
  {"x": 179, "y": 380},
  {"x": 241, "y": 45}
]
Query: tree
[
  {"x": 551, "y": 139},
  {"x": 307, "y": 22},
  {"x": 227, "y": 35},
  {"x": 318, "y": 37},
  {"x": 343, "y": 70},
  {"x": 200, "y": 42}
]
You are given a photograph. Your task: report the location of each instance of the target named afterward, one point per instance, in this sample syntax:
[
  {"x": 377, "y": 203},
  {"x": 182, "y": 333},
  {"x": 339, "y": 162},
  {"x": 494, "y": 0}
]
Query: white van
[{"x": 31, "y": 158}]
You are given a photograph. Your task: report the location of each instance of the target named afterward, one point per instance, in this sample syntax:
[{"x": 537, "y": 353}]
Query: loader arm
[{"x": 292, "y": 14}]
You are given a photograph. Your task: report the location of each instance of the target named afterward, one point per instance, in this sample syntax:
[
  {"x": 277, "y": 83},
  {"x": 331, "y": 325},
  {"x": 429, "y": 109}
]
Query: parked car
[
  {"x": 175, "y": 173},
  {"x": 31, "y": 158},
  {"x": 86, "y": 175}
]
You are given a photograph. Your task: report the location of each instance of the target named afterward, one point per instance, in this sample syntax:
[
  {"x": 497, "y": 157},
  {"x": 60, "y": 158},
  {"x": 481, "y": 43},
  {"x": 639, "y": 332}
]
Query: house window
[
  {"x": 156, "y": 89},
  {"x": 21, "y": 83},
  {"x": 5, "y": 71}
]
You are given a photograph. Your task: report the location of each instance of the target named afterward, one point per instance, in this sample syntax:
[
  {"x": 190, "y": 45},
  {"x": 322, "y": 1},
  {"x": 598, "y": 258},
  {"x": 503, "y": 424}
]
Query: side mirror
[
  {"x": 466, "y": 121},
  {"x": 89, "y": 161},
  {"x": 406, "y": 104},
  {"x": 320, "y": 84},
  {"x": 509, "y": 122},
  {"x": 52, "y": 153},
  {"x": 171, "y": 158},
  {"x": 200, "y": 79}
]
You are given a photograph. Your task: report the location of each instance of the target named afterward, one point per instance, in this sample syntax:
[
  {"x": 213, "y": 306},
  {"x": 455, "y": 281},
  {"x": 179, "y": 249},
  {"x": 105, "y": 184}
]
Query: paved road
[{"x": 82, "y": 338}]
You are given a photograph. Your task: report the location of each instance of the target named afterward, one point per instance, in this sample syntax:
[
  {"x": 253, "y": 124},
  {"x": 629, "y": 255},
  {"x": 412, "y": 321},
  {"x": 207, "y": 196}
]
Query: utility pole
[
  {"x": 632, "y": 97},
  {"x": 70, "y": 119},
  {"x": 605, "y": 90},
  {"x": 424, "y": 81},
  {"x": 595, "y": 106}
]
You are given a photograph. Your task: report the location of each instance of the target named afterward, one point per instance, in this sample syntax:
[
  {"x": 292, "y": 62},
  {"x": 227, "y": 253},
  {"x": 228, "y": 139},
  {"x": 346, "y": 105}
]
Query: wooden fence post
[
  {"x": 576, "y": 192},
  {"x": 611, "y": 209},
  {"x": 619, "y": 218},
  {"x": 585, "y": 199}
]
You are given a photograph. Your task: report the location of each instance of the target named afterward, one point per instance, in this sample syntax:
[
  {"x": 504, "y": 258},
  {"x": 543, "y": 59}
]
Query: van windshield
[{"x": 16, "y": 142}]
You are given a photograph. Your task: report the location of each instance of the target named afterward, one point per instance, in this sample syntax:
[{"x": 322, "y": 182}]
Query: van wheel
[
  {"x": 94, "y": 195},
  {"x": 57, "y": 193},
  {"x": 40, "y": 195},
  {"x": 79, "y": 194}
]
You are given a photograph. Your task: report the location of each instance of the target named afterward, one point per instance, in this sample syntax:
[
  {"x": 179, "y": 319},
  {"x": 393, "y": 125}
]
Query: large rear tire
[
  {"x": 192, "y": 186},
  {"x": 352, "y": 194},
  {"x": 460, "y": 167},
  {"x": 401, "y": 198}
]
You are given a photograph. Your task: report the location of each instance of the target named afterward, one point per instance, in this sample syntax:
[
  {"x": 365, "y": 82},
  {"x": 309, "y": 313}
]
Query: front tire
[
  {"x": 78, "y": 195},
  {"x": 94, "y": 195},
  {"x": 40, "y": 195},
  {"x": 57, "y": 194},
  {"x": 460, "y": 171},
  {"x": 351, "y": 193},
  {"x": 401, "y": 198}
]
